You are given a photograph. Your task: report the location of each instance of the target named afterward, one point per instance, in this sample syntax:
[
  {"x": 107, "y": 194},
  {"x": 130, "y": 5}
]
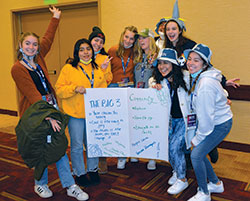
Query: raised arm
[
  {"x": 55, "y": 11},
  {"x": 49, "y": 35}
]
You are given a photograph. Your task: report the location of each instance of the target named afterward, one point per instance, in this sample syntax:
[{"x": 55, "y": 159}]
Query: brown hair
[
  {"x": 20, "y": 41},
  {"x": 192, "y": 86}
]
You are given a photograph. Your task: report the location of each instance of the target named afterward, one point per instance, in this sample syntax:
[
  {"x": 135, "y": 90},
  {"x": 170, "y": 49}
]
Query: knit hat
[
  {"x": 168, "y": 54},
  {"x": 202, "y": 50},
  {"x": 97, "y": 32},
  {"x": 159, "y": 23},
  {"x": 176, "y": 17},
  {"x": 146, "y": 33}
]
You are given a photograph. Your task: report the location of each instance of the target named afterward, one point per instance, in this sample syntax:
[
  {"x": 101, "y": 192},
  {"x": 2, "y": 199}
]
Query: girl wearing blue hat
[
  {"x": 168, "y": 78},
  {"x": 160, "y": 26},
  {"x": 175, "y": 39},
  {"x": 209, "y": 105}
]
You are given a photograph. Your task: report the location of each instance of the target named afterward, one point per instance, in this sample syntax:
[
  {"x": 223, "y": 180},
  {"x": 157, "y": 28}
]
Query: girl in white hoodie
[{"x": 213, "y": 116}]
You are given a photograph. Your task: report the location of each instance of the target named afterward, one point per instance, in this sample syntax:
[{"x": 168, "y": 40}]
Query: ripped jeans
[{"x": 177, "y": 147}]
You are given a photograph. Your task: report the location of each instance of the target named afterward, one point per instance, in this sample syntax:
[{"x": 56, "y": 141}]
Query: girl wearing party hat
[
  {"x": 174, "y": 29},
  {"x": 174, "y": 39}
]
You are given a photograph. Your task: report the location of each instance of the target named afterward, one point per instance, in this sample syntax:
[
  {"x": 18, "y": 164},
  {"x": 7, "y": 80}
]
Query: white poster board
[{"x": 126, "y": 122}]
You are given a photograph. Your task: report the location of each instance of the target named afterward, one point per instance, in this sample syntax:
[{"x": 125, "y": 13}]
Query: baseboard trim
[
  {"x": 9, "y": 112},
  {"x": 235, "y": 146}
]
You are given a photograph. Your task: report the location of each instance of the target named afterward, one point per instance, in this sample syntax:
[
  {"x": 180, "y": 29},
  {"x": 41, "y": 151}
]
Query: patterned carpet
[{"x": 132, "y": 183}]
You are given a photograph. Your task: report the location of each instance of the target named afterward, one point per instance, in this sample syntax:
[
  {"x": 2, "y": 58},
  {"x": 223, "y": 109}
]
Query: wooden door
[{"x": 76, "y": 22}]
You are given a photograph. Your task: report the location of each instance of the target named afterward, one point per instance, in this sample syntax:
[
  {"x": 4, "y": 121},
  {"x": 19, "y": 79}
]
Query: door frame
[
  {"x": 17, "y": 22},
  {"x": 17, "y": 13}
]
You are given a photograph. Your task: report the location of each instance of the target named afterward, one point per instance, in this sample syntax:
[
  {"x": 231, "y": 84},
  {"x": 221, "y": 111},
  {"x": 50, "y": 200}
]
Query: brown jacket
[
  {"x": 116, "y": 65},
  {"x": 21, "y": 76}
]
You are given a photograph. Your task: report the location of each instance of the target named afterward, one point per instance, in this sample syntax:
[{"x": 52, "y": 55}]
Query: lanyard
[
  {"x": 144, "y": 63},
  {"x": 191, "y": 103},
  {"x": 142, "y": 71},
  {"x": 171, "y": 91},
  {"x": 40, "y": 74},
  {"x": 91, "y": 81},
  {"x": 191, "y": 96},
  {"x": 125, "y": 67}
]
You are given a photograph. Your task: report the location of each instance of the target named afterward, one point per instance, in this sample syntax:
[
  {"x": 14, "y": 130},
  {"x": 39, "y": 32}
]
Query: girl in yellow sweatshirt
[
  {"x": 97, "y": 40},
  {"x": 71, "y": 86}
]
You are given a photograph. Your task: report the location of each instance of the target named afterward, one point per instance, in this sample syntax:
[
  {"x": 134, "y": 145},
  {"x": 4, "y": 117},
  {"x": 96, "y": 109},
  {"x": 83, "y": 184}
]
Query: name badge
[
  {"x": 125, "y": 79},
  {"x": 51, "y": 100},
  {"x": 48, "y": 139},
  {"x": 191, "y": 121},
  {"x": 140, "y": 85}
]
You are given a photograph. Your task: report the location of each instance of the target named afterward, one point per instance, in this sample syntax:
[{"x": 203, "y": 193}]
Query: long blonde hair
[
  {"x": 121, "y": 49},
  {"x": 153, "y": 51}
]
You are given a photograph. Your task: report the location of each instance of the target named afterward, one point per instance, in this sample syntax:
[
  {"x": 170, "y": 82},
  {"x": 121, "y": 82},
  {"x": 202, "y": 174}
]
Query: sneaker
[
  {"x": 43, "y": 191},
  {"x": 151, "y": 165},
  {"x": 76, "y": 192},
  {"x": 214, "y": 188},
  {"x": 200, "y": 196},
  {"x": 172, "y": 179},
  {"x": 82, "y": 180},
  {"x": 177, "y": 187},
  {"x": 94, "y": 178},
  {"x": 214, "y": 155},
  {"x": 121, "y": 163},
  {"x": 134, "y": 160}
]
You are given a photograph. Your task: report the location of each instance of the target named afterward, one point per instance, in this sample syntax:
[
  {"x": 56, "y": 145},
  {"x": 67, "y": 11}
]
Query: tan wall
[{"x": 222, "y": 25}]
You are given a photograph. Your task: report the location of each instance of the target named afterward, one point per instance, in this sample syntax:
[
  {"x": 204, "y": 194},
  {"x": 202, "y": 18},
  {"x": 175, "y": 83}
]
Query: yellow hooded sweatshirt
[{"x": 70, "y": 78}]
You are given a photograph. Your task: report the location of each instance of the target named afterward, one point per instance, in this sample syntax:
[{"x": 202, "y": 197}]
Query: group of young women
[{"x": 200, "y": 117}]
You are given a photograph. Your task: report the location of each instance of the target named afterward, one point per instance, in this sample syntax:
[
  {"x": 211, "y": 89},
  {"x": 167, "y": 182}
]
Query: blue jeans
[
  {"x": 64, "y": 173},
  {"x": 202, "y": 166},
  {"x": 77, "y": 131},
  {"x": 177, "y": 147}
]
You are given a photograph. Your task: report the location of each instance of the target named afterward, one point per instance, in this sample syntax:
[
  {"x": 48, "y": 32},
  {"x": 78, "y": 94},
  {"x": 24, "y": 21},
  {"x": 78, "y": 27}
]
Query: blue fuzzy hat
[
  {"x": 159, "y": 23},
  {"x": 176, "y": 17},
  {"x": 201, "y": 50},
  {"x": 168, "y": 54}
]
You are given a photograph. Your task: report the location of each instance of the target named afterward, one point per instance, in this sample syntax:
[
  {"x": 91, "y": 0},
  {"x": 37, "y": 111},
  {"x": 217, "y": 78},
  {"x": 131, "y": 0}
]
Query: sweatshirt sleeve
[
  {"x": 64, "y": 87},
  {"x": 108, "y": 74},
  {"x": 223, "y": 81},
  {"x": 205, "y": 111},
  {"x": 48, "y": 37},
  {"x": 25, "y": 83}
]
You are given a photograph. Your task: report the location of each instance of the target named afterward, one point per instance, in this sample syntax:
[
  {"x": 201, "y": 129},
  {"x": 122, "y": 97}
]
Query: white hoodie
[
  {"x": 209, "y": 103},
  {"x": 184, "y": 103}
]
